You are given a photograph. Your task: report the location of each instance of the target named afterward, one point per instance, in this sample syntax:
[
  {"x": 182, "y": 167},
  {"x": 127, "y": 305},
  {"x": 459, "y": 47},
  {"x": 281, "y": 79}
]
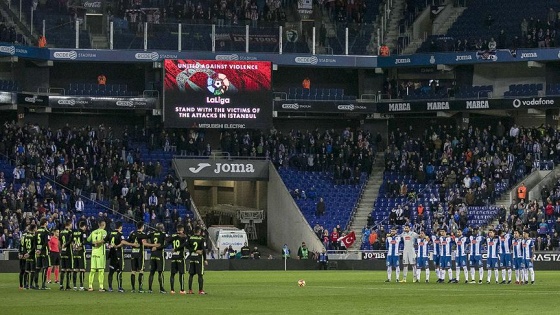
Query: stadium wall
[
  {"x": 502, "y": 77},
  {"x": 286, "y": 224}
]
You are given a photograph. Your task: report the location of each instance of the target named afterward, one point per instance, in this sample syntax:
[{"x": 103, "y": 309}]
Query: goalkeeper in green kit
[{"x": 97, "y": 240}]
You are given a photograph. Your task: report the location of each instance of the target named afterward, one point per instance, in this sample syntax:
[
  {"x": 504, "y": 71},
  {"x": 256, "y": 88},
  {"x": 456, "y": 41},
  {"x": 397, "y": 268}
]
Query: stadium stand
[
  {"x": 9, "y": 86},
  {"x": 99, "y": 89},
  {"x": 318, "y": 94},
  {"x": 510, "y": 24},
  {"x": 113, "y": 177},
  {"x": 457, "y": 186},
  {"x": 524, "y": 90}
]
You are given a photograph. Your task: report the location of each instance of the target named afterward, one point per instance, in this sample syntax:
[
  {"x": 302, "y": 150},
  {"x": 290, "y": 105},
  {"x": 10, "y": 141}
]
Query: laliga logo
[
  {"x": 65, "y": 55},
  {"x": 227, "y": 57},
  {"x": 307, "y": 60},
  {"x": 217, "y": 84},
  {"x": 147, "y": 56},
  {"x": 8, "y": 50}
]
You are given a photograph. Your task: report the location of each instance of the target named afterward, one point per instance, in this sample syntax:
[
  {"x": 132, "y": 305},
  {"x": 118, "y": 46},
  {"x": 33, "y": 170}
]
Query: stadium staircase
[
  {"x": 505, "y": 199},
  {"x": 368, "y": 198},
  {"x": 440, "y": 26},
  {"x": 99, "y": 42},
  {"x": 8, "y": 13},
  {"x": 393, "y": 24}
]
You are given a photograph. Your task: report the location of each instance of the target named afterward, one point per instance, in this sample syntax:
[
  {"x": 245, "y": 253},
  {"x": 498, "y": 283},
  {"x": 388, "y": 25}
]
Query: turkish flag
[{"x": 348, "y": 239}]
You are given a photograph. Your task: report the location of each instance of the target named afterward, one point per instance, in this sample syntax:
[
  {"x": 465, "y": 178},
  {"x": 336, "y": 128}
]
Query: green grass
[{"x": 265, "y": 292}]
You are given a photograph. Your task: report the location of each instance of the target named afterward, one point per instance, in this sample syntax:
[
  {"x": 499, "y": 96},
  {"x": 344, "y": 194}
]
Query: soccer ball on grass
[{"x": 301, "y": 283}]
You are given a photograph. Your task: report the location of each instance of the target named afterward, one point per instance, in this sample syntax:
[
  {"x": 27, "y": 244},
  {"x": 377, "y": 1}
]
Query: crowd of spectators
[
  {"x": 325, "y": 151},
  {"x": 57, "y": 172},
  {"x": 219, "y": 12},
  {"x": 466, "y": 166},
  {"x": 533, "y": 33},
  {"x": 540, "y": 217},
  {"x": 8, "y": 33}
]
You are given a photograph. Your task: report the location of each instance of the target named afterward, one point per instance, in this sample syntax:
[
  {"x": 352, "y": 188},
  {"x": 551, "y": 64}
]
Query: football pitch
[{"x": 267, "y": 292}]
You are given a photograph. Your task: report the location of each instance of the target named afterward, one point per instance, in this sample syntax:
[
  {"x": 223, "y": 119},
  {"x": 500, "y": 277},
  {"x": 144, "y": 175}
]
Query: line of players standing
[
  {"x": 35, "y": 257},
  {"x": 504, "y": 251}
]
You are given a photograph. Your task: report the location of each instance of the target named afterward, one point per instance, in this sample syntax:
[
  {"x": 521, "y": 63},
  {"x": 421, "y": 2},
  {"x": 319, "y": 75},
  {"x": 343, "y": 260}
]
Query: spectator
[
  {"x": 303, "y": 251},
  {"x": 320, "y": 208},
  {"x": 79, "y": 205},
  {"x": 323, "y": 260},
  {"x": 255, "y": 254},
  {"x": 522, "y": 192},
  {"x": 245, "y": 251},
  {"x": 306, "y": 84},
  {"x": 285, "y": 252}
]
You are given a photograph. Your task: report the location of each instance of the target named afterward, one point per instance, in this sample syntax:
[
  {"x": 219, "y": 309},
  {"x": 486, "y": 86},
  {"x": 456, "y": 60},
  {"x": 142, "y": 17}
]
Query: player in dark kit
[
  {"x": 29, "y": 256},
  {"x": 79, "y": 239},
  {"x": 178, "y": 242},
  {"x": 66, "y": 263},
  {"x": 42, "y": 257},
  {"x": 156, "y": 240},
  {"x": 21, "y": 256},
  {"x": 137, "y": 258},
  {"x": 197, "y": 248},
  {"x": 116, "y": 255}
]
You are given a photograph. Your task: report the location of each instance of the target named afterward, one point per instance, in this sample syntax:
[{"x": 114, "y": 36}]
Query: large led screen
[{"x": 217, "y": 94}]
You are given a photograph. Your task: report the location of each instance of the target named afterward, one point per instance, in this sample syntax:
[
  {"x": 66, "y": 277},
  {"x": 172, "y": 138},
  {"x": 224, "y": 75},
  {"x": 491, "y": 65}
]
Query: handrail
[
  {"x": 280, "y": 95},
  {"x": 221, "y": 155},
  {"x": 368, "y": 95},
  {"x": 408, "y": 202},
  {"x": 150, "y": 93}
]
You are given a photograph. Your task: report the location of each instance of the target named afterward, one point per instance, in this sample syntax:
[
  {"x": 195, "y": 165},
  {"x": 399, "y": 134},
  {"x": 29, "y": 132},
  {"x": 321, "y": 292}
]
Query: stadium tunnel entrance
[{"x": 228, "y": 191}]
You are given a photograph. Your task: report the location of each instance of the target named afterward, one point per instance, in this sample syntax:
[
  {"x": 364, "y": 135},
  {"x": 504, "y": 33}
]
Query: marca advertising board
[
  {"x": 468, "y": 105},
  {"x": 217, "y": 94}
]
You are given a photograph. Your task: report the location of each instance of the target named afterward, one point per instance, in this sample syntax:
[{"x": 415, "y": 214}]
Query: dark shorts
[
  {"x": 137, "y": 264},
  {"x": 157, "y": 263},
  {"x": 42, "y": 261},
  {"x": 66, "y": 263},
  {"x": 116, "y": 263},
  {"x": 79, "y": 263},
  {"x": 196, "y": 265},
  {"x": 22, "y": 265},
  {"x": 30, "y": 265},
  {"x": 55, "y": 259},
  {"x": 178, "y": 266}
]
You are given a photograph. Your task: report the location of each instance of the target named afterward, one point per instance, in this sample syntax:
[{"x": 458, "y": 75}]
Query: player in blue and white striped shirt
[
  {"x": 505, "y": 256},
  {"x": 476, "y": 240},
  {"x": 422, "y": 256},
  {"x": 461, "y": 256},
  {"x": 517, "y": 245},
  {"x": 445, "y": 242},
  {"x": 435, "y": 252},
  {"x": 392, "y": 243},
  {"x": 492, "y": 243},
  {"x": 528, "y": 250}
]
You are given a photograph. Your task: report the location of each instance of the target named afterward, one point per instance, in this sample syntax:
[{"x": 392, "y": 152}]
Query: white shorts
[{"x": 409, "y": 258}]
